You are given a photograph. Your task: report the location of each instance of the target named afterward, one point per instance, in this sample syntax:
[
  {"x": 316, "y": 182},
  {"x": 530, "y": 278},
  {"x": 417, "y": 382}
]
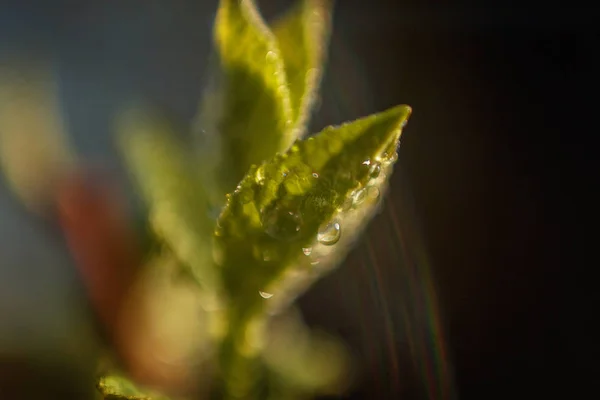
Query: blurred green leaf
[
  {"x": 119, "y": 388},
  {"x": 299, "y": 203},
  {"x": 303, "y": 361},
  {"x": 303, "y": 37},
  {"x": 172, "y": 188}
]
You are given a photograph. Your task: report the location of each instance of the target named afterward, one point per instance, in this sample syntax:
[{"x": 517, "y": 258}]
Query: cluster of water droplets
[{"x": 284, "y": 221}]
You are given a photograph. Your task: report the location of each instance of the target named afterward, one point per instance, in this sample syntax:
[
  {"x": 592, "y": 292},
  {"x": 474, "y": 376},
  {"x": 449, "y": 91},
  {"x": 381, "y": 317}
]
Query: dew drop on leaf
[
  {"x": 315, "y": 175},
  {"x": 265, "y": 295},
  {"x": 389, "y": 158},
  {"x": 359, "y": 197},
  {"x": 375, "y": 170},
  {"x": 330, "y": 234},
  {"x": 271, "y": 56},
  {"x": 282, "y": 223},
  {"x": 307, "y": 251}
]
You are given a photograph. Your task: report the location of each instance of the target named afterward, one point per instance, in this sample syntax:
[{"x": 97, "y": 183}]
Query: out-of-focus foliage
[{"x": 31, "y": 132}]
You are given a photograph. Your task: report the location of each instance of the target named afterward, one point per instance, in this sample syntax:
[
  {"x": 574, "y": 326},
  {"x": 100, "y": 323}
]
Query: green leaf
[
  {"x": 303, "y": 36},
  {"x": 119, "y": 388},
  {"x": 165, "y": 172},
  {"x": 280, "y": 210},
  {"x": 248, "y": 115}
]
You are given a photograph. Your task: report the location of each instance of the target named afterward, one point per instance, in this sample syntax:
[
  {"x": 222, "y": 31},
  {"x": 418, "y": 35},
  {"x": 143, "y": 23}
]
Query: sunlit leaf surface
[{"x": 292, "y": 211}]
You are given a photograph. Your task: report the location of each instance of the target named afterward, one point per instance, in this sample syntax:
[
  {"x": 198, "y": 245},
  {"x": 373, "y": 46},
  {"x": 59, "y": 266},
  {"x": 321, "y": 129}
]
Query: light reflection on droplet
[
  {"x": 375, "y": 170},
  {"x": 265, "y": 295},
  {"x": 330, "y": 234},
  {"x": 359, "y": 197},
  {"x": 307, "y": 251},
  {"x": 315, "y": 175},
  {"x": 271, "y": 56}
]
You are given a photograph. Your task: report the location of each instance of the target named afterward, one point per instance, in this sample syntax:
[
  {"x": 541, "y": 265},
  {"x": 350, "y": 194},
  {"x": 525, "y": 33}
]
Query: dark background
[{"x": 488, "y": 187}]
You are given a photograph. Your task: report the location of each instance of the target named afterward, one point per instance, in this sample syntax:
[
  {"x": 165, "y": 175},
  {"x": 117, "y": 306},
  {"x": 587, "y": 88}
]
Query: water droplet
[
  {"x": 389, "y": 158},
  {"x": 373, "y": 192},
  {"x": 265, "y": 295},
  {"x": 307, "y": 251},
  {"x": 315, "y": 175},
  {"x": 366, "y": 162},
  {"x": 375, "y": 170},
  {"x": 359, "y": 197},
  {"x": 330, "y": 234},
  {"x": 282, "y": 223},
  {"x": 271, "y": 56}
]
